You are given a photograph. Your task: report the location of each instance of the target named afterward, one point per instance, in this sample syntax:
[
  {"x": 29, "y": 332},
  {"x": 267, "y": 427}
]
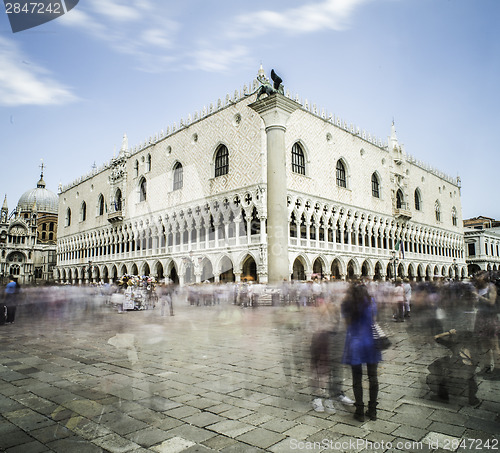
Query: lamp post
[{"x": 394, "y": 261}]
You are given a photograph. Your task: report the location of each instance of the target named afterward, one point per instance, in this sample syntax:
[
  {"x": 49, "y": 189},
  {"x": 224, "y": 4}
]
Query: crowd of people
[
  {"x": 337, "y": 330},
  {"x": 326, "y": 326}
]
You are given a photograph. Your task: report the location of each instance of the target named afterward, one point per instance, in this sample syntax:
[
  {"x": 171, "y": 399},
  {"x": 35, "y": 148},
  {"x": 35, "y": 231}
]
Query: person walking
[
  {"x": 359, "y": 311},
  {"x": 11, "y": 295},
  {"x": 486, "y": 325}
]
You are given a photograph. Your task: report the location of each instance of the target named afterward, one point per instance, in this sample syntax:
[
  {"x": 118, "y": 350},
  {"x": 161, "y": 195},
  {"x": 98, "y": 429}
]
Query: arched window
[
  {"x": 143, "y": 190},
  {"x": 100, "y": 205},
  {"x": 118, "y": 200},
  {"x": 341, "y": 174},
  {"x": 178, "y": 176},
  {"x": 83, "y": 212},
  {"x": 148, "y": 162},
  {"x": 221, "y": 161},
  {"x": 375, "y": 186},
  {"x": 68, "y": 217},
  {"x": 418, "y": 200},
  {"x": 136, "y": 168},
  {"x": 437, "y": 210},
  {"x": 454, "y": 216},
  {"x": 399, "y": 199},
  {"x": 298, "y": 160}
]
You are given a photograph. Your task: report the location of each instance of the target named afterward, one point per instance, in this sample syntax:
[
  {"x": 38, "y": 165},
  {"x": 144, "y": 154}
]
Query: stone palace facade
[{"x": 190, "y": 204}]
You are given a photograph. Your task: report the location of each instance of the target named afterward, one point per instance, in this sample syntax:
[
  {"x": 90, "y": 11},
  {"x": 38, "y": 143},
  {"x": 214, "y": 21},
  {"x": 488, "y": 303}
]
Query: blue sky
[{"x": 70, "y": 89}]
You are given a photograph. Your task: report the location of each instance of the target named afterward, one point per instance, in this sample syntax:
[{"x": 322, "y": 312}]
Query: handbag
[{"x": 380, "y": 338}]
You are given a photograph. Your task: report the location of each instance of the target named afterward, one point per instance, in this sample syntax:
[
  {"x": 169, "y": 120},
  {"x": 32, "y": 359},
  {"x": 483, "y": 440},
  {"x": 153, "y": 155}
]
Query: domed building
[{"x": 28, "y": 236}]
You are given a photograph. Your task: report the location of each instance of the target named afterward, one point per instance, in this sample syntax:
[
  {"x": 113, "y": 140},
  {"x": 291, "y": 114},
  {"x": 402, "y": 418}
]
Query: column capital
[{"x": 275, "y": 110}]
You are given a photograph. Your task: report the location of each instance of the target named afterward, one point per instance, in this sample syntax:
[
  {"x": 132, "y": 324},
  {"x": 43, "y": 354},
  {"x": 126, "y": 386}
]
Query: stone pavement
[{"x": 209, "y": 379}]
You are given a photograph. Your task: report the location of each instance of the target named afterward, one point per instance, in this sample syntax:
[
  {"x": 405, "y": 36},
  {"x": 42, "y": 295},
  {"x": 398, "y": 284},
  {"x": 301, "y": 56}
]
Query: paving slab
[{"x": 138, "y": 382}]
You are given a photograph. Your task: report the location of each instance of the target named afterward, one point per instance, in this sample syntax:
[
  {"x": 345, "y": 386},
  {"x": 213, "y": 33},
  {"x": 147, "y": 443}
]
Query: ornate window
[
  {"x": 375, "y": 186},
  {"x": 143, "y": 190},
  {"x": 454, "y": 216},
  {"x": 178, "y": 176},
  {"x": 298, "y": 160},
  {"x": 148, "y": 162},
  {"x": 221, "y": 161},
  {"x": 341, "y": 174},
  {"x": 136, "y": 168},
  {"x": 118, "y": 200},
  {"x": 399, "y": 199},
  {"x": 437, "y": 210},
  {"x": 83, "y": 212},
  {"x": 418, "y": 200},
  {"x": 101, "y": 205},
  {"x": 68, "y": 217}
]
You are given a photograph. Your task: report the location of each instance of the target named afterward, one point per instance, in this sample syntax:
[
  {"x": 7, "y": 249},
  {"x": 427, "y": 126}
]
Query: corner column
[{"x": 275, "y": 111}]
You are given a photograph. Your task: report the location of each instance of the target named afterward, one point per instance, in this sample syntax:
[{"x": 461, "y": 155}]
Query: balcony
[
  {"x": 402, "y": 212},
  {"x": 115, "y": 216}
]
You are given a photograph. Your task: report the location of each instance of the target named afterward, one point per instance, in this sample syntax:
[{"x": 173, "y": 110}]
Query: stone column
[{"x": 275, "y": 111}]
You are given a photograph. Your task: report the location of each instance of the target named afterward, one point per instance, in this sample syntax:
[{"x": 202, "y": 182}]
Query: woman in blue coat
[{"x": 359, "y": 311}]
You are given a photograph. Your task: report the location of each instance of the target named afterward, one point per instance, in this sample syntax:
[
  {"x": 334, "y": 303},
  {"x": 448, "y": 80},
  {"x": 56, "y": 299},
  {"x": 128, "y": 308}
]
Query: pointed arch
[
  {"x": 143, "y": 189},
  {"x": 418, "y": 199},
  {"x": 437, "y": 210},
  {"x": 118, "y": 200},
  {"x": 100, "y": 205},
  {"x": 400, "y": 199},
  {"x": 221, "y": 161},
  {"x": 83, "y": 212},
  {"x": 454, "y": 218},
  {"x": 67, "y": 220},
  {"x": 375, "y": 185},
  {"x": 341, "y": 173},
  {"x": 178, "y": 176},
  {"x": 299, "y": 268},
  {"x": 298, "y": 159},
  {"x": 225, "y": 269}
]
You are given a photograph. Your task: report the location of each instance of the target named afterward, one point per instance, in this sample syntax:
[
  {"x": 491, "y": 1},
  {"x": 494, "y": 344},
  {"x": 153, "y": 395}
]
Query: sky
[{"x": 70, "y": 88}]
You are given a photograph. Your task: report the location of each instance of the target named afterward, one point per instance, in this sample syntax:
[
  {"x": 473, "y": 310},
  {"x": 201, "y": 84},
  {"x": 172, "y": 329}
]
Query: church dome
[{"x": 46, "y": 201}]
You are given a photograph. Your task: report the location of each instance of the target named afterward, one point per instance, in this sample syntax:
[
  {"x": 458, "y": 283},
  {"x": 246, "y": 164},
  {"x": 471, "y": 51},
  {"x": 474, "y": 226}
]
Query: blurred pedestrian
[
  {"x": 486, "y": 326},
  {"x": 407, "y": 297},
  {"x": 12, "y": 291},
  {"x": 359, "y": 311},
  {"x": 398, "y": 301}
]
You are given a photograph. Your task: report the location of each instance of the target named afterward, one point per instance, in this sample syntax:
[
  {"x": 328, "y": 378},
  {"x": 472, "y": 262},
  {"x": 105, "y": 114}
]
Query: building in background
[
  {"x": 482, "y": 244},
  {"x": 28, "y": 236},
  {"x": 189, "y": 204}
]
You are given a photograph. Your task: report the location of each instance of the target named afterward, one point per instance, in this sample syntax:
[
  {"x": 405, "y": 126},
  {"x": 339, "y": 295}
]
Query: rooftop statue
[{"x": 266, "y": 87}]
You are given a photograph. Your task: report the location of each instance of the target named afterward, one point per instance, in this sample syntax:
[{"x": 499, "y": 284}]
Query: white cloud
[
  {"x": 217, "y": 60},
  {"x": 157, "y": 37},
  {"x": 329, "y": 14},
  {"x": 116, "y": 10},
  {"x": 138, "y": 30},
  {"x": 23, "y": 83},
  {"x": 145, "y": 30}
]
